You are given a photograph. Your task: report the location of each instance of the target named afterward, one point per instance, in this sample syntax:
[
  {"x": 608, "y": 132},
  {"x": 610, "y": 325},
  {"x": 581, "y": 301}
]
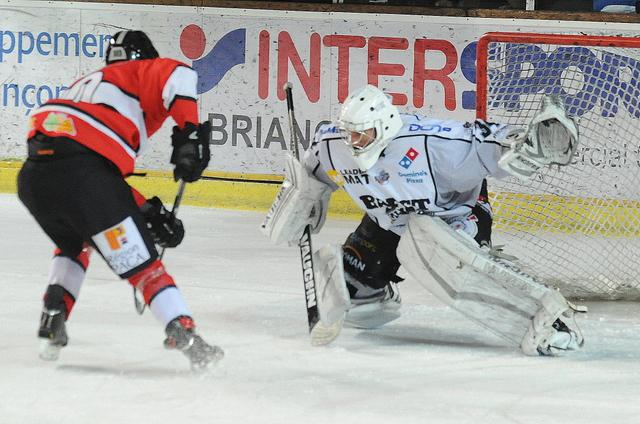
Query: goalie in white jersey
[{"x": 402, "y": 171}]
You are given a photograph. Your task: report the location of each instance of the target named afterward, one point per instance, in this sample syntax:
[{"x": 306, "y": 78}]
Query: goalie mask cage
[{"x": 576, "y": 227}]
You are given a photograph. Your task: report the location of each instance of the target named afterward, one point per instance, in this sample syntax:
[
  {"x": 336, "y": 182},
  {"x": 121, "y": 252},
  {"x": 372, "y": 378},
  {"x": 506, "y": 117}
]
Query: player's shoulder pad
[
  {"x": 326, "y": 132},
  {"x": 170, "y": 63}
]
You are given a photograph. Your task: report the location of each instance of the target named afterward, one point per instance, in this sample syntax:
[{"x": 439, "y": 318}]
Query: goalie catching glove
[
  {"x": 551, "y": 138},
  {"x": 191, "y": 151},
  {"x": 301, "y": 201}
]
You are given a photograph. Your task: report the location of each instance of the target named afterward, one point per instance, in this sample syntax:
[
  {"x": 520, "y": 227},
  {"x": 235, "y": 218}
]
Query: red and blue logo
[
  {"x": 228, "y": 52},
  {"x": 408, "y": 158}
]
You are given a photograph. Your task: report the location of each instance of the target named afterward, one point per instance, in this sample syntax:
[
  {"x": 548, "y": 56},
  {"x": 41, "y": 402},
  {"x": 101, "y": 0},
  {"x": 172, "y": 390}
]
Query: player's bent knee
[
  {"x": 152, "y": 280},
  {"x": 369, "y": 255}
]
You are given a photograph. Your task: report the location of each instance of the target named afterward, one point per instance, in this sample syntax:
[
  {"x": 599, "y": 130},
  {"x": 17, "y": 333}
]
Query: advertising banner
[{"x": 243, "y": 58}]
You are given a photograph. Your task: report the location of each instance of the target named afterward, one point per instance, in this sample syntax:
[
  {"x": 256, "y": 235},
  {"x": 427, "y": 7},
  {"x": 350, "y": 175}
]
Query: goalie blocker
[{"x": 301, "y": 201}]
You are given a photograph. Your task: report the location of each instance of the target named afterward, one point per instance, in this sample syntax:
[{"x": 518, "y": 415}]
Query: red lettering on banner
[
  {"x": 420, "y": 74},
  {"x": 287, "y": 53},
  {"x": 350, "y": 47},
  {"x": 344, "y": 43},
  {"x": 375, "y": 68},
  {"x": 263, "y": 64}
]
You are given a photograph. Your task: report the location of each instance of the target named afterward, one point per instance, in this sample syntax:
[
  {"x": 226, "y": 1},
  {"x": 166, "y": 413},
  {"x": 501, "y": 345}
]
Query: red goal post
[{"x": 576, "y": 227}]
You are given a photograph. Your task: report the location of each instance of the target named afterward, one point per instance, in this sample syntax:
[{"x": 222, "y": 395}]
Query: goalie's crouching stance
[{"x": 421, "y": 184}]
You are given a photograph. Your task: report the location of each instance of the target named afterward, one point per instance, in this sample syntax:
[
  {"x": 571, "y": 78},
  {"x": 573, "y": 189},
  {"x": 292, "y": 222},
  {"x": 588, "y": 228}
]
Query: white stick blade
[{"x": 323, "y": 334}]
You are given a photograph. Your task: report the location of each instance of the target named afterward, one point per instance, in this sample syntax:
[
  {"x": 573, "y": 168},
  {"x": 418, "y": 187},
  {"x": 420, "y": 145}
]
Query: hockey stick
[
  {"x": 176, "y": 205},
  {"x": 138, "y": 300},
  {"x": 229, "y": 179},
  {"x": 306, "y": 252}
]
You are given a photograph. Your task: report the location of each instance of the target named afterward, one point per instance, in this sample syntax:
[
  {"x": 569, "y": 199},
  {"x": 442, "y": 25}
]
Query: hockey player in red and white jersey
[
  {"x": 396, "y": 166},
  {"x": 81, "y": 147}
]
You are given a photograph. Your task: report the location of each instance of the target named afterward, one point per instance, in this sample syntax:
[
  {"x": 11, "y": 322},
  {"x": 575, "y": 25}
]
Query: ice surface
[{"x": 430, "y": 366}]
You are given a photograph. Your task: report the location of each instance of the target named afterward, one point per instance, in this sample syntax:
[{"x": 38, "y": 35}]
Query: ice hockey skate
[
  {"x": 372, "y": 308},
  {"x": 561, "y": 339},
  {"x": 181, "y": 335},
  {"x": 52, "y": 332}
]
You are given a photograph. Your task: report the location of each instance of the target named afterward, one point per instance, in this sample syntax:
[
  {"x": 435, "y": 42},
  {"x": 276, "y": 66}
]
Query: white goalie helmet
[{"x": 367, "y": 108}]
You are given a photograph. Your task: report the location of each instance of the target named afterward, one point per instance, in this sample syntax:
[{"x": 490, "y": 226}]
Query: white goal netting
[{"x": 576, "y": 227}]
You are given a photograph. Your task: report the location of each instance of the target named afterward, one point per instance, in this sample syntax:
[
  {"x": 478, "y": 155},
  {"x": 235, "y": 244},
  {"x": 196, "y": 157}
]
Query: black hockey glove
[
  {"x": 166, "y": 229},
  {"x": 191, "y": 152}
]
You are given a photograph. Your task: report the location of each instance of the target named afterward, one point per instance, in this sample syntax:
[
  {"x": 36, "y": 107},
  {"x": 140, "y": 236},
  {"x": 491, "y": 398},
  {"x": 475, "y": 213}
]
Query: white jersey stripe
[
  {"x": 126, "y": 105},
  {"x": 182, "y": 82}
]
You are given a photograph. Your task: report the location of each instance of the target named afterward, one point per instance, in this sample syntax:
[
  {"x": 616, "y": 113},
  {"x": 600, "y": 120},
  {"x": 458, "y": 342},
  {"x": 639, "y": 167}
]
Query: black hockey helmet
[{"x": 130, "y": 45}]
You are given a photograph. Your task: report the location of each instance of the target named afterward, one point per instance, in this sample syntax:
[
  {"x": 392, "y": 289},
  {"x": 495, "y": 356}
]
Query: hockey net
[{"x": 576, "y": 227}]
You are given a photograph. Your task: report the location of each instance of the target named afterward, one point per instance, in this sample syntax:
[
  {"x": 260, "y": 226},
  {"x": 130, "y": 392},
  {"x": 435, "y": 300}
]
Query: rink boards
[{"x": 602, "y": 217}]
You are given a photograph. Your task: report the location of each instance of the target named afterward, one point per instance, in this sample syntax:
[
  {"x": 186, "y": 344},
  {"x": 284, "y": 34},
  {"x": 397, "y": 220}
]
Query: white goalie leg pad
[
  {"x": 331, "y": 288},
  {"x": 302, "y": 200},
  {"x": 489, "y": 290},
  {"x": 331, "y": 294},
  {"x": 335, "y": 306},
  {"x": 551, "y": 138}
]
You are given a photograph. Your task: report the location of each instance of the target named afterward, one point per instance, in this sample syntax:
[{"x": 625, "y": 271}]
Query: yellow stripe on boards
[
  {"x": 239, "y": 195},
  {"x": 8, "y": 175},
  {"x": 512, "y": 211},
  {"x": 566, "y": 215}
]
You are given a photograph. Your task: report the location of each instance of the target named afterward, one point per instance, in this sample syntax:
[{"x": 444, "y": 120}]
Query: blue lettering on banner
[
  {"x": 608, "y": 79},
  {"x": 27, "y": 43},
  {"x": 28, "y": 95},
  {"x": 468, "y": 69}
]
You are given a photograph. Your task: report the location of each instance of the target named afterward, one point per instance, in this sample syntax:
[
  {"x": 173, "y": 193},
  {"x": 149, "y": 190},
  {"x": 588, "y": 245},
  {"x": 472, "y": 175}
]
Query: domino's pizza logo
[{"x": 408, "y": 158}]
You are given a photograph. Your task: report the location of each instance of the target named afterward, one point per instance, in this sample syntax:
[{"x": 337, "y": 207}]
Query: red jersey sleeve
[{"x": 179, "y": 94}]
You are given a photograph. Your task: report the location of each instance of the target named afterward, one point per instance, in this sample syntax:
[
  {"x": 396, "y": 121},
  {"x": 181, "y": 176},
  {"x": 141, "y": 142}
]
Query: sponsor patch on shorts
[{"x": 122, "y": 246}]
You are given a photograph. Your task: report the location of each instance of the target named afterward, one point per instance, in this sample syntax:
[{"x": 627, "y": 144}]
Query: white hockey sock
[
  {"x": 168, "y": 304},
  {"x": 66, "y": 273}
]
